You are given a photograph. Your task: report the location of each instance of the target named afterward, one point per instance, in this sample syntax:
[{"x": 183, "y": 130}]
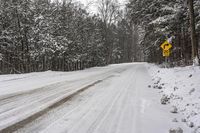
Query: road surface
[{"x": 113, "y": 99}]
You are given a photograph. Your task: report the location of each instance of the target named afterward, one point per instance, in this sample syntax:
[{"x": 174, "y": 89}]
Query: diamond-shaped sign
[{"x": 166, "y": 45}]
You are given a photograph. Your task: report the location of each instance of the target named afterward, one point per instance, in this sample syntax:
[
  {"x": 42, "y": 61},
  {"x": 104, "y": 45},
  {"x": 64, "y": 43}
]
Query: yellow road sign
[
  {"x": 166, "y": 45},
  {"x": 166, "y": 53}
]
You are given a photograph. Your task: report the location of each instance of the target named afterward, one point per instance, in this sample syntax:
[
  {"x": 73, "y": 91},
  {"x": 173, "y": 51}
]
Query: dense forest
[
  {"x": 163, "y": 19},
  {"x": 40, "y": 35}
]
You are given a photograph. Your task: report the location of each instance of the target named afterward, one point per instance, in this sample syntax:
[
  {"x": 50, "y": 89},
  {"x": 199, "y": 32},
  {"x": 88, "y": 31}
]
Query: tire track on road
[{"x": 32, "y": 117}]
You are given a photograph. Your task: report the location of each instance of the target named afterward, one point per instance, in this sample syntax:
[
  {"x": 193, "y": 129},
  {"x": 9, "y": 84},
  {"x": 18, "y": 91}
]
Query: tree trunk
[
  {"x": 195, "y": 56},
  {"x": 134, "y": 46}
]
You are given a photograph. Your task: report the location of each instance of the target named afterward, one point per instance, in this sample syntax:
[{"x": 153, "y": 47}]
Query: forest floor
[{"x": 122, "y": 98}]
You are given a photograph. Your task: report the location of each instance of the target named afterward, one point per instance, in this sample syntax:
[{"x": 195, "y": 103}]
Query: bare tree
[{"x": 108, "y": 10}]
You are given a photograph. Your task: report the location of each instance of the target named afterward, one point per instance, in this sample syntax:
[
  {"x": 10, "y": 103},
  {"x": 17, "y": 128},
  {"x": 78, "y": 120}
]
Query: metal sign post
[{"x": 166, "y": 62}]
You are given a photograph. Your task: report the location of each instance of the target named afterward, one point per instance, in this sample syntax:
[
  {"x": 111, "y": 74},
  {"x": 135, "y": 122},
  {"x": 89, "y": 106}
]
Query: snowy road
[{"x": 113, "y": 99}]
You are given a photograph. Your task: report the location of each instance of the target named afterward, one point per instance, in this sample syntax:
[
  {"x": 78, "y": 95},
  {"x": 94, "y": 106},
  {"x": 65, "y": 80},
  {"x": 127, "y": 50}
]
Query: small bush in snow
[
  {"x": 191, "y": 91},
  {"x": 190, "y": 75},
  {"x": 165, "y": 99},
  {"x": 155, "y": 86},
  {"x": 183, "y": 120},
  {"x": 177, "y": 130},
  {"x": 174, "y": 120},
  {"x": 175, "y": 88},
  {"x": 162, "y": 84},
  {"x": 159, "y": 87},
  {"x": 190, "y": 124},
  {"x": 174, "y": 109}
]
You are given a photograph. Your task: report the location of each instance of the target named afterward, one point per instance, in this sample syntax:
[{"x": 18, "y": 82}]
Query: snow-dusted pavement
[{"x": 112, "y": 99}]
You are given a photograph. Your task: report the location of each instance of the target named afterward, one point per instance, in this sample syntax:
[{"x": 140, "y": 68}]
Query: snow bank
[
  {"x": 17, "y": 83},
  {"x": 182, "y": 87}
]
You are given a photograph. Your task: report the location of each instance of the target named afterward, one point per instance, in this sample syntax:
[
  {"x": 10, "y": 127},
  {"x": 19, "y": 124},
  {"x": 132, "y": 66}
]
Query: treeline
[
  {"x": 161, "y": 19},
  {"x": 59, "y": 35},
  {"x": 39, "y": 35}
]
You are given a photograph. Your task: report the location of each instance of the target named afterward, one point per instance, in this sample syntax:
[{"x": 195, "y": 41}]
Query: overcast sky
[{"x": 92, "y": 7}]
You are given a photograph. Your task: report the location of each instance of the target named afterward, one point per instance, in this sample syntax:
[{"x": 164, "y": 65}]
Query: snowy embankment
[
  {"x": 180, "y": 88},
  {"x": 18, "y": 83}
]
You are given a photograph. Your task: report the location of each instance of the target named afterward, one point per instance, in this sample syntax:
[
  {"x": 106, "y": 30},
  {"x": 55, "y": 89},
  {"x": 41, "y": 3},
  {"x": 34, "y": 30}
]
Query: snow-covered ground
[
  {"x": 112, "y": 99},
  {"x": 181, "y": 86},
  {"x": 17, "y": 83}
]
